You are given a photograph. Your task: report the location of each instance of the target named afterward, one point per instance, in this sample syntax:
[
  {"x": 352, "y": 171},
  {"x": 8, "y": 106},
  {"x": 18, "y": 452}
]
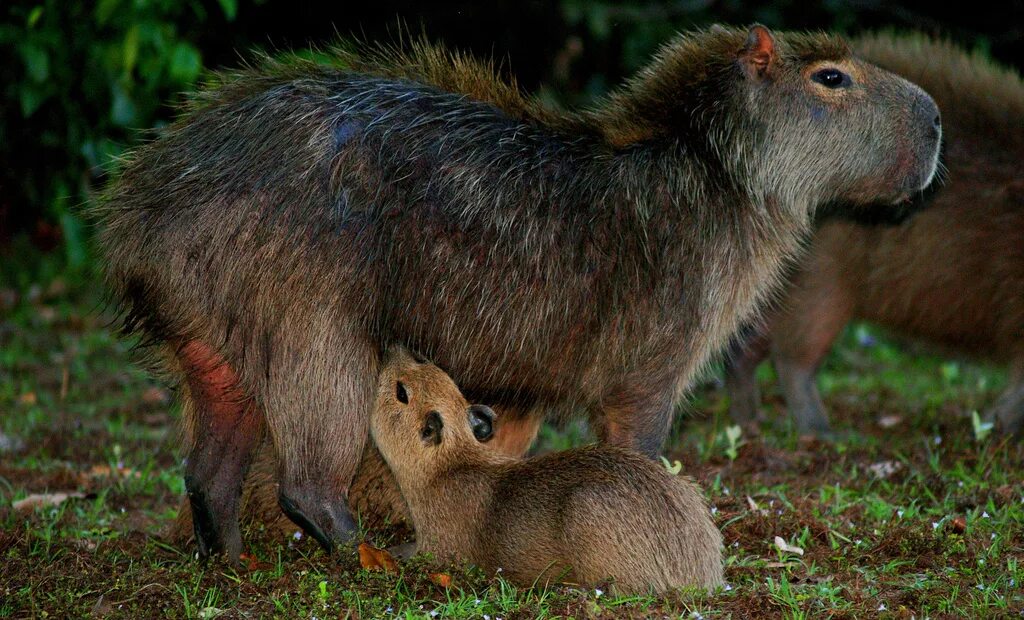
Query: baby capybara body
[
  {"x": 298, "y": 218},
  {"x": 952, "y": 275},
  {"x": 581, "y": 516}
]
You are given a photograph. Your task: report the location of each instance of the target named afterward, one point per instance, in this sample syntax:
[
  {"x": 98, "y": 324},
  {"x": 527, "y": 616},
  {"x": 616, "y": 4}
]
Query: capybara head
[
  {"x": 420, "y": 414},
  {"x": 790, "y": 115}
]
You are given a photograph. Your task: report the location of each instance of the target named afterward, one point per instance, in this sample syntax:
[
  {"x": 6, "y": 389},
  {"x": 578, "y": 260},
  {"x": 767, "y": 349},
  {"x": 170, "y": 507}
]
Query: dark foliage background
[{"x": 80, "y": 80}]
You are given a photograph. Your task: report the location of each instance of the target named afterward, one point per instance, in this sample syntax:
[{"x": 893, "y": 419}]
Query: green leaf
[
  {"x": 130, "y": 49},
  {"x": 673, "y": 468},
  {"x": 33, "y": 17},
  {"x": 104, "y": 10},
  {"x": 37, "y": 61},
  {"x": 981, "y": 429},
  {"x": 186, "y": 63},
  {"x": 230, "y": 8},
  {"x": 31, "y": 98}
]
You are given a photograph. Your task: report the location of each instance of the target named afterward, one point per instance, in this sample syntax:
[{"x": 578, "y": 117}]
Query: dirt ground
[{"x": 916, "y": 511}]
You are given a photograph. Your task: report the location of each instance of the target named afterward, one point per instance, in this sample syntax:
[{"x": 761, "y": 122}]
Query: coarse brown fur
[
  {"x": 953, "y": 275},
  {"x": 581, "y": 516},
  {"x": 299, "y": 218}
]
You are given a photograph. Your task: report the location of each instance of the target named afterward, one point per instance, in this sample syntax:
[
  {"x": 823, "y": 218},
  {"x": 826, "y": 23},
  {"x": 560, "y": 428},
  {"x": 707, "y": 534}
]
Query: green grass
[{"x": 939, "y": 533}]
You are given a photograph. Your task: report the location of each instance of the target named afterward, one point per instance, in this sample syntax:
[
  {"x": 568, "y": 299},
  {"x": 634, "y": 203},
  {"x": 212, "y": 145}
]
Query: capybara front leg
[
  {"x": 226, "y": 428},
  {"x": 319, "y": 513}
]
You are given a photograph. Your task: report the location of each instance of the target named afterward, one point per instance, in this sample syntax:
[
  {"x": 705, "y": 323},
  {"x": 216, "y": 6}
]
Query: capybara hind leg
[
  {"x": 749, "y": 348},
  {"x": 227, "y": 426},
  {"x": 320, "y": 387}
]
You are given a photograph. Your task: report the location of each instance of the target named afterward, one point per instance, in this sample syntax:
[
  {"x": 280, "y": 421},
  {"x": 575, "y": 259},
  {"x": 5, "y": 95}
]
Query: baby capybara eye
[{"x": 401, "y": 394}]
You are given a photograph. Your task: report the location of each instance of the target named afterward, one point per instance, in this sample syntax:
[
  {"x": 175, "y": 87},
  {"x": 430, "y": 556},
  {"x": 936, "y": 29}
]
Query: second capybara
[
  {"x": 581, "y": 516},
  {"x": 952, "y": 275},
  {"x": 299, "y": 218}
]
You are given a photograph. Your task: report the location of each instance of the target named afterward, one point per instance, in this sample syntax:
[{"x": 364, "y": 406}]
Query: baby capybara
[{"x": 580, "y": 516}]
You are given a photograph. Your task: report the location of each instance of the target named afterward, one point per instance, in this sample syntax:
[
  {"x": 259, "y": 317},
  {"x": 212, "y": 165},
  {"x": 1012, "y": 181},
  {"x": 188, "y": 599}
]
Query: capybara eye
[
  {"x": 481, "y": 420},
  {"x": 431, "y": 431},
  {"x": 831, "y": 78},
  {"x": 401, "y": 394}
]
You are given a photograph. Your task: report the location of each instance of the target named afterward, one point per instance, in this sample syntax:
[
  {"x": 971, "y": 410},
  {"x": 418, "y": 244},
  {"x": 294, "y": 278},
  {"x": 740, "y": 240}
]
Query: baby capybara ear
[{"x": 481, "y": 420}]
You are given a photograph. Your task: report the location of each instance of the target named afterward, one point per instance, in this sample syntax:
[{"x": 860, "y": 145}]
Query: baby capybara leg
[
  {"x": 319, "y": 389},
  {"x": 750, "y": 346},
  {"x": 226, "y": 428}
]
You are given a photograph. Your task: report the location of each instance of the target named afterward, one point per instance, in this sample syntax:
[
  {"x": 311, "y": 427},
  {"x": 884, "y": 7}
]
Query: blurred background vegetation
[{"x": 83, "y": 81}]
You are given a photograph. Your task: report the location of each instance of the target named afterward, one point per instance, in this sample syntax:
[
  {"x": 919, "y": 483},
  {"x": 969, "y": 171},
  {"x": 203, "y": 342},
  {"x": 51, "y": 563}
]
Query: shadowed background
[{"x": 80, "y": 80}]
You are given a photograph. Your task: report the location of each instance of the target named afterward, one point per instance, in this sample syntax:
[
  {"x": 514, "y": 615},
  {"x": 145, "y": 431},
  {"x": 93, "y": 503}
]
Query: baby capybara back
[
  {"x": 951, "y": 276},
  {"x": 581, "y": 516}
]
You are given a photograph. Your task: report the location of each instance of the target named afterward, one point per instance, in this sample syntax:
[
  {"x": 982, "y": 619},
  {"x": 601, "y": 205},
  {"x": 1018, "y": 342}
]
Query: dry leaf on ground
[
  {"x": 442, "y": 579},
  {"x": 785, "y": 546},
  {"x": 372, "y": 558},
  {"x": 42, "y": 500}
]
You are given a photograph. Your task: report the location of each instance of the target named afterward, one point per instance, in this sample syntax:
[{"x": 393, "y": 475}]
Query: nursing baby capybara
[{"x": 581, "y": 516}]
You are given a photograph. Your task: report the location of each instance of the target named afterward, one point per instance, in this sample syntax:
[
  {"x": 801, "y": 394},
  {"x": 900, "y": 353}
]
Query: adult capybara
[
  {"x": 299, "y": 218},
  {"x": 582, "y": 516},
  {"x": 952, "y": 275}
]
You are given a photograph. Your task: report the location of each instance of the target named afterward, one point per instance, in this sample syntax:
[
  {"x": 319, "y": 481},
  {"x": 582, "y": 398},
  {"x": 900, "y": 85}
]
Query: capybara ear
[
  {"x": 481, "y": 420},
  {"x": 758, "y": 52},
  {"x": 432, "y": 427}
]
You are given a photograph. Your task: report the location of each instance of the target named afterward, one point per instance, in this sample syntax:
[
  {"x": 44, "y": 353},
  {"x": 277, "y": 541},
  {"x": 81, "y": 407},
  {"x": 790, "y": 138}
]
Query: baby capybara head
[
  {"x": 421, "y": 417},
  {"x": 790, "y": 115}
]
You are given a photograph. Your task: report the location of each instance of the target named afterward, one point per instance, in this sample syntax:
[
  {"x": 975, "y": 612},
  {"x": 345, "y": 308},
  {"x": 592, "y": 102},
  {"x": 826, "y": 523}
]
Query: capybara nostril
[
  {"x": 481, "y": 420},
  {"x": 937, "y": 122}
]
